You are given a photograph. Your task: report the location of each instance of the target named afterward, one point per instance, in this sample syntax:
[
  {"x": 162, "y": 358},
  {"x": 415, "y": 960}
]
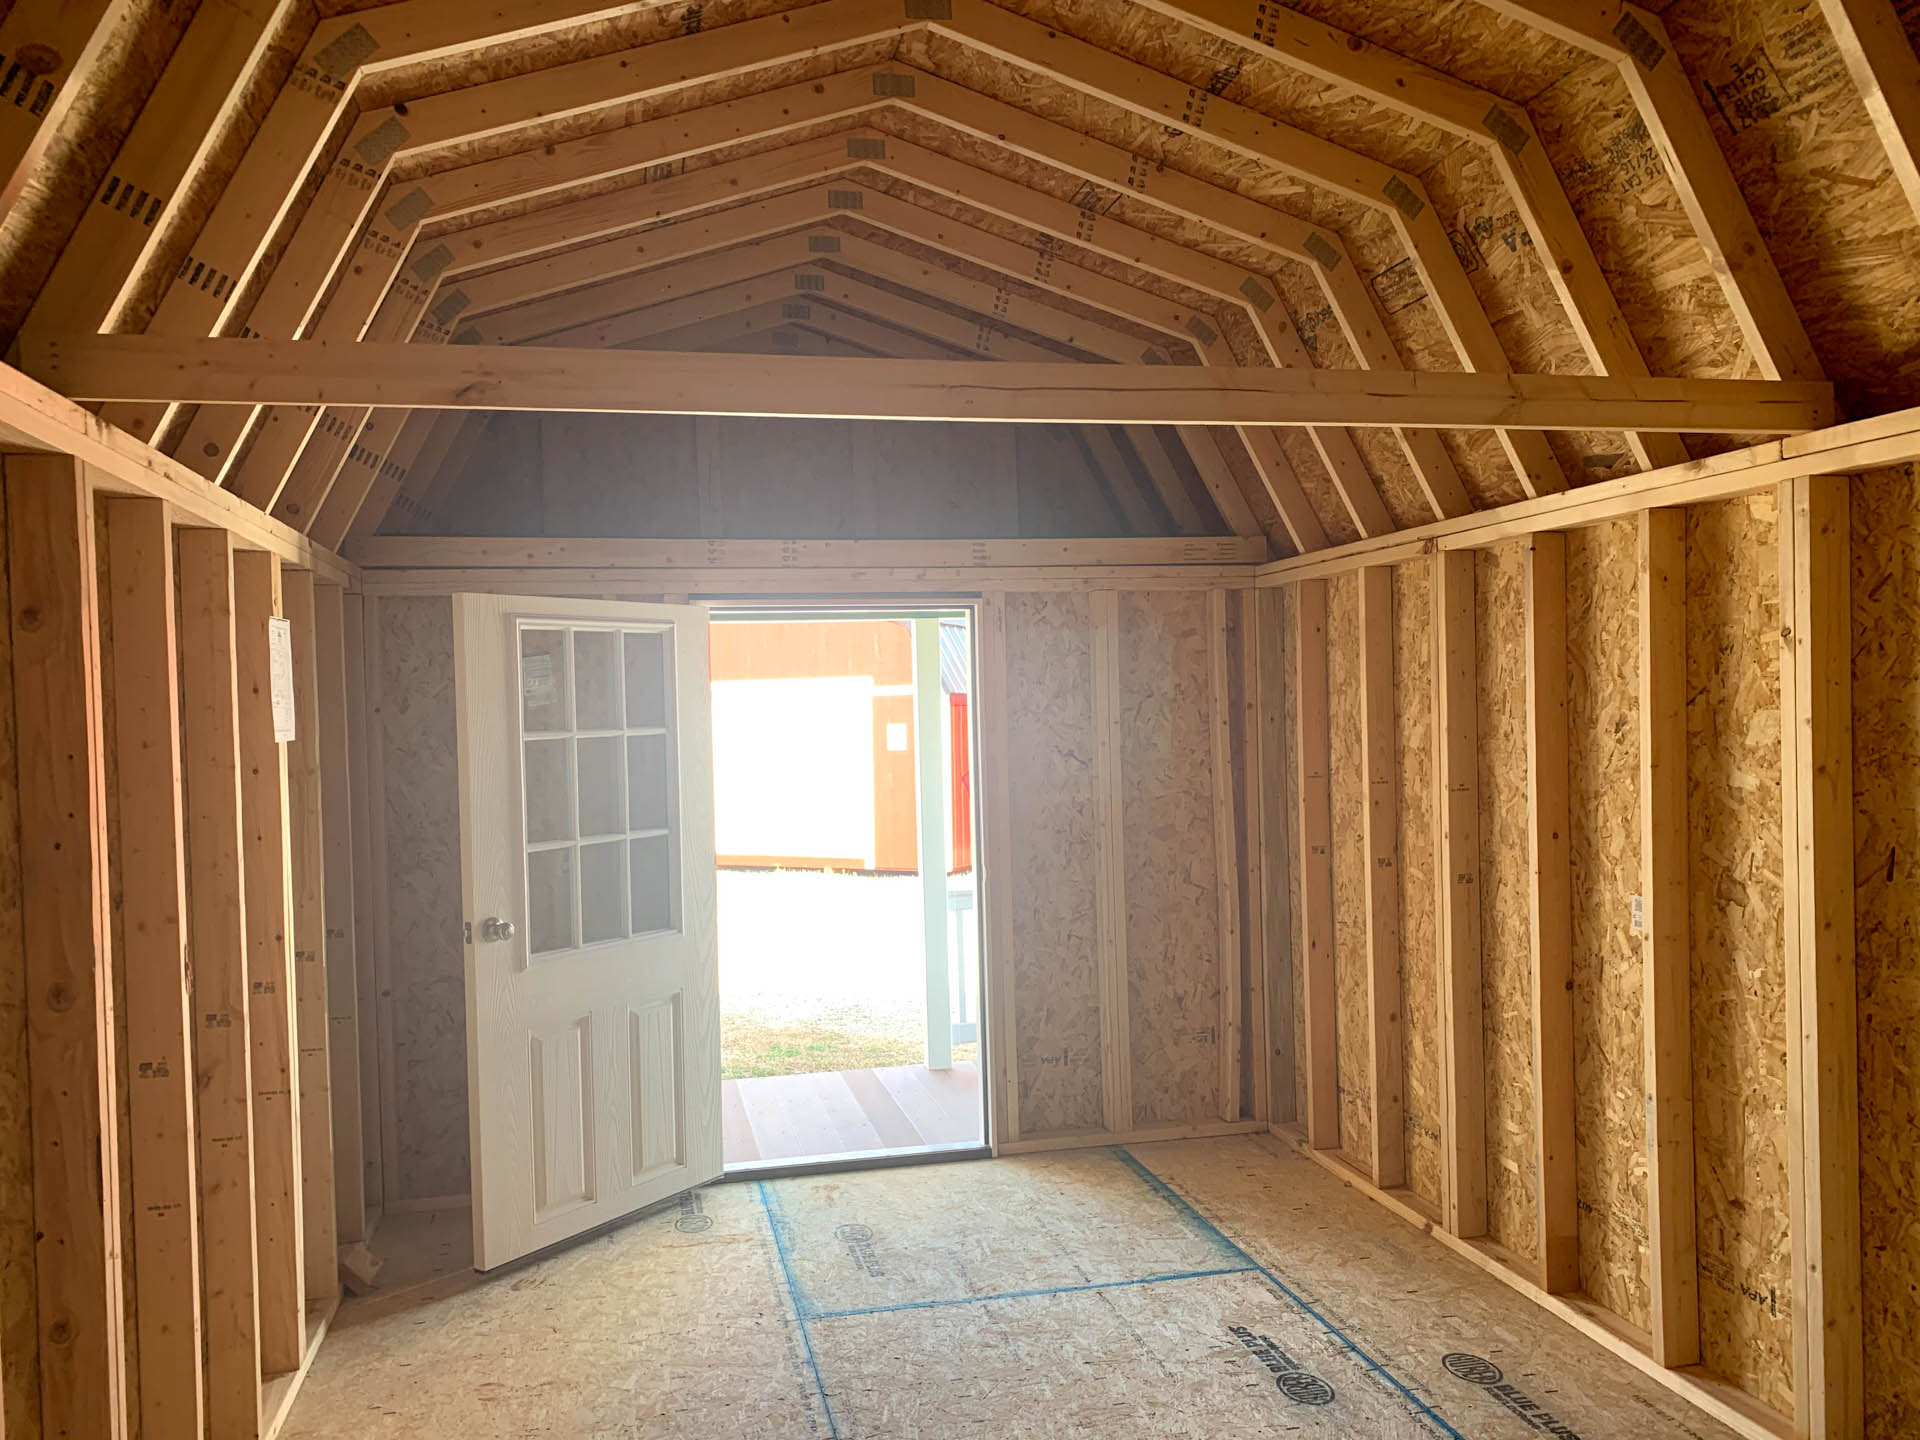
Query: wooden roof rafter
[
  {"x": 714, "y": 230},
  {"x": 335, "y": 502},
  {"x": 624, "y": 76},
  {"x": 911, "y": 329},
  {"x": 1056, "y": 221},
  {"x": 854, "y": 300},
  {"x": 48, "y": 48},
  {"x": 1636, "y": 41}
]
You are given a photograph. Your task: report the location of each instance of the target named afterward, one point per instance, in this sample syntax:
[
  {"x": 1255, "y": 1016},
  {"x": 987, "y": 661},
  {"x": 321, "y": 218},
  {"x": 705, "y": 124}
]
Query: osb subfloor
[
  {"x": 850, "y": 1112},
  {"x": 1199, "y": 1289}
]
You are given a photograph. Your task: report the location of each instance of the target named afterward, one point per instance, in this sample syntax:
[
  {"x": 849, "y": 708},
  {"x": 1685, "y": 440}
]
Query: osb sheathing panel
[
  {"x": 1739, "y": 967},
  {"x": 1648, "y": 250},
  {"x": 1886, "y": 840},
  {"x": 1166, "y": 824},
  {"x": 1347, "y": 775},
  {"x": 1603, "y": 790},
  {"x": 19, "y": 1320},
  {"x": 644, "y": 24},
  {"x": 1506, "y": 965},
  {"x": 1778, "y": 97},
  {"x": 1053, "y": 864},
  {"x": 1375, "y": 249},
  {"x": 1508, "y": 273},
  {"x": 425, "y": 978},
  {"x": 1463, "y": 37},
  {"x": 1419, "y": 978}
]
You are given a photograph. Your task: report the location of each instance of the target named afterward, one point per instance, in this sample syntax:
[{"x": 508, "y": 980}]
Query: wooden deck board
[{"x": 899, "y": 1107}]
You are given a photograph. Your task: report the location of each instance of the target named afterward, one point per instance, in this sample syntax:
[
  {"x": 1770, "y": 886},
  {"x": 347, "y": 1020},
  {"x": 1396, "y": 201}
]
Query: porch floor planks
[{"x": 898, "y": 1107}]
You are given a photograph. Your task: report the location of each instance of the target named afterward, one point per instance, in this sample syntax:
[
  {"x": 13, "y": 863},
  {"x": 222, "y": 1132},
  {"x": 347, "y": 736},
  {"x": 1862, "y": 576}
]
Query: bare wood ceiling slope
[{"x": 1713, "y": 191}]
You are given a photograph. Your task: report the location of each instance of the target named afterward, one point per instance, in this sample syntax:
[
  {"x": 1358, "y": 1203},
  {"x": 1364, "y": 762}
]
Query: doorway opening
[{"x": 846, "y": 835}]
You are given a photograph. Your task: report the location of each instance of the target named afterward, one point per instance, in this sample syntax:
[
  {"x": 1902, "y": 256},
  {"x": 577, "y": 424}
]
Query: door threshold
[{"x": 858, "y": 1160}]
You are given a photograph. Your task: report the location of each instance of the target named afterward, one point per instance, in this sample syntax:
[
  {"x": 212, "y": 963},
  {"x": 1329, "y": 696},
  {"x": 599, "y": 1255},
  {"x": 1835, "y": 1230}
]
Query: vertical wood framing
[
  {"x": 1463, "y": 1075},
  {"x": 1257, "y": 1034},
  {"x": 1823, "y": 1108},
  {"x": 1276, "y": 1068},
  {"x": 1550, "y": 901},
  {"x": 70, "y": 989},
  {"x": 307, "y": 834},
  {"x": 1672, "y": 1253},
  {"x": 1386, "y": 1069},
  {"x": 1226, "y": 850},
  {"x": 270, "y": 972},
  {"x": 1116, "y": 1045},
  {"x": 1313, "y": 749},
  {"x": 360, "y": 766},
  {"x": 338, "y": 807},
  {"x": 217, "y": 909},
  {"x": 991, "y": 802},
  {"x": 152, "y": 880}
]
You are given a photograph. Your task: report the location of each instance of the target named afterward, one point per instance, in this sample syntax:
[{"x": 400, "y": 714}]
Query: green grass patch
[{"x": 755, "y": 1045}]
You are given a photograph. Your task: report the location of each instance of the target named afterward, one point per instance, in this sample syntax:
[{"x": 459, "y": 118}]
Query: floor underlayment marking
[
  {"x": 1194, "y": 1217},
  {"x": 852, "y": 1221},
  {"x": 1030, "y": 1294},
  {"x": 799, "y": 1308},
  {"x": 1040, "y": 1297}
]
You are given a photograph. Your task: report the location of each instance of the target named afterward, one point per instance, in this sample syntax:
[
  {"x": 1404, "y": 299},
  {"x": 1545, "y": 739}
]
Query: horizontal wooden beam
[
  {"x": 33, "y": 419},
  {"x": 432, "y": 552},
  {"x": 1890, "y": 439},
  {"x": 615, "y": 583},
  {"x": 495, "y": 377}
]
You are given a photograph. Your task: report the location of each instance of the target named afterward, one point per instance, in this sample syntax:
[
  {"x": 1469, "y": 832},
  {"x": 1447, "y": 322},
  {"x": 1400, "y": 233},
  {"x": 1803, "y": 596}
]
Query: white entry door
[{"x": 593, "y": 1006}]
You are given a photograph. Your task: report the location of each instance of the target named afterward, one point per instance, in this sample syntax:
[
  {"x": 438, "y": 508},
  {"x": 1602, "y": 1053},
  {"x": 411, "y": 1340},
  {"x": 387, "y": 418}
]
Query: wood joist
[{"x": 407, "y": 39}]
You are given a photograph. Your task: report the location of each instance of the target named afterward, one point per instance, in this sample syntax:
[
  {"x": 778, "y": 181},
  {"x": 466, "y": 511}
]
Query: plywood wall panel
[
  {"x": 424, "y": 962},
  {"x": 1167, "y": 823},
  {"x": 1419, "y": 940},
  {"x": 1052, "y": 869},
  {"x": 1886, "y": 839},
  {"x": 1347, "y": 775},
  {"x": 1739, "y": 968},
  {"x": 1505, "y": 915},
  {"x": 1604, "y": 843}
]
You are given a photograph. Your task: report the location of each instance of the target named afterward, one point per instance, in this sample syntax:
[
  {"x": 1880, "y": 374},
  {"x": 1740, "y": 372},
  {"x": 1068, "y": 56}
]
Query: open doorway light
[{"x": 849, "y": 969}]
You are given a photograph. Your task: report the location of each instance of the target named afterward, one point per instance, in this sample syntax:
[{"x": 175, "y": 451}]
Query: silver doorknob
[{"x": 494, "y": 928}]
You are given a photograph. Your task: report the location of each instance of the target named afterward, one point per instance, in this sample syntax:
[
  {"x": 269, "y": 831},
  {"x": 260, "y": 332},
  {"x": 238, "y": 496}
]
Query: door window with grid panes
[{"x": 597, "y": 779}]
